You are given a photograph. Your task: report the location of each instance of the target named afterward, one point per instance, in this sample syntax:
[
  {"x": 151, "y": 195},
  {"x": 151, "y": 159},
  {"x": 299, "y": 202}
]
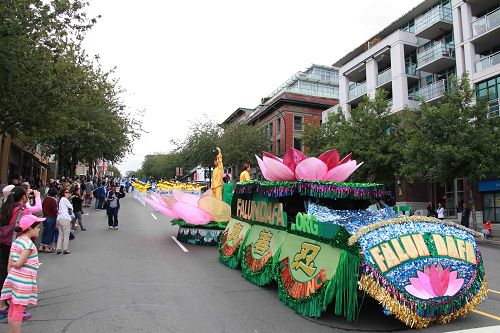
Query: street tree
[
  {"x": 240, "y": 143},
  {"x": 367, "y": 132},
  {"x": 452, "y": 139}
]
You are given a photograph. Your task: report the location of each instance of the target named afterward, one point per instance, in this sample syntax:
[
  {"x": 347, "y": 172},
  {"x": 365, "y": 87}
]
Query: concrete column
[
  {"x": 469, "y": 50},
  {"x": 371, "y": 77},
  {"x": 343, "y": 93},
  {"x": 457, "y": 25},
  {"x": 399, "y": 80}
]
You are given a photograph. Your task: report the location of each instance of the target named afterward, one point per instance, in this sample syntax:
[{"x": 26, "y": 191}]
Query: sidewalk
[{"x": 493, "y": 241}]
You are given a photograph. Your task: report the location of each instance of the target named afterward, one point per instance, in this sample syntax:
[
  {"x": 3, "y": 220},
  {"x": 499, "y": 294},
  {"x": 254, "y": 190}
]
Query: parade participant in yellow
[
  {"x": 217, "y": 176},
  {"x": 245, "y": 175}
]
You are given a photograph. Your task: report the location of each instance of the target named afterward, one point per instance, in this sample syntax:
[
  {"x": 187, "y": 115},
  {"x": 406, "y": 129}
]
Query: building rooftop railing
[{"x": 485, "y": 23}]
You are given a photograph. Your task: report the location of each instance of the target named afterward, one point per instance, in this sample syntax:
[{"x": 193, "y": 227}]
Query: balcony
[
  {"x": 433, "y": 91},
  {"x": 433, "y": 23},
  {"x": 384, "y": 78},
  {"x": 436, "y": 58},
  {"x": 357, "y": 91},
  {"x": 412, "y": 74},
  {"x": 494, "y": 108},
  {"x": 486, "y": 30},
  {"x": 487, "y": 62}
]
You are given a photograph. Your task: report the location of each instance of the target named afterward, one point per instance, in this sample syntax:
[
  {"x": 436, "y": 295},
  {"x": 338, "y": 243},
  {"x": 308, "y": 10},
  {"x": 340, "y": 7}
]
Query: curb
[{"x": 489, "y": 242}]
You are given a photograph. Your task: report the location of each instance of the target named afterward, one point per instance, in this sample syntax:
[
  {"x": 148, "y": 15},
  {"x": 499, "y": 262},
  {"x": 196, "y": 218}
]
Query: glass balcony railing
[
  {"x": 487, "y": 62},
  {"x": 434, "y": 15},
  {"x": 486, "y": 23},
  {"x": 494, "y": 108},
  {"x": 435, "y": 52},
  {"x": 357, "y": 90},
  {"x": 411, "y": 69},
  {"x": 384, "y": 76},
  {"x": 433, "y": 90}
]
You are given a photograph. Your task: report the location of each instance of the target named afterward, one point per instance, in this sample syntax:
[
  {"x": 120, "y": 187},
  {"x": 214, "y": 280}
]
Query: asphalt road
[{"x": 137, "y": 279}]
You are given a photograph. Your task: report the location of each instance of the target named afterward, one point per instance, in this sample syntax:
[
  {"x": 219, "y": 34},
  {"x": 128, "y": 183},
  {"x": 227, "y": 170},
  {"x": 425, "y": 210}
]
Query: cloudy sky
[{"x": 181, "y": 60}]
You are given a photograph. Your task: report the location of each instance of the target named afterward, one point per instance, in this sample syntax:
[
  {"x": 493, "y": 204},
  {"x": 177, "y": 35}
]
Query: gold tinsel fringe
[
  {"x": 408, "y": 316},
  {"x": 354, "y": 238},
  {"x": 468, "y": 307}
]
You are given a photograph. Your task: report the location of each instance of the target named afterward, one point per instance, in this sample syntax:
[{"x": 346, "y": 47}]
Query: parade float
[
  {"x": 324, "y": 240},
  {"x": 200, "y": 218}
]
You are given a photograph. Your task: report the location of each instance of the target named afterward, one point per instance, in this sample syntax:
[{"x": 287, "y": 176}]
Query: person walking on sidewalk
[
  {"x": 49, "y": 206},
  {"x": 77, "y": 202},
  {"x": 465, "y": 215},
  {"x": 20, "y": 286},
  {"x": 101, "y": 190},
  {"x": 88, "y": 188},
  {"x": 113, "y": 206},
  {"x": 64, "y": 222}
]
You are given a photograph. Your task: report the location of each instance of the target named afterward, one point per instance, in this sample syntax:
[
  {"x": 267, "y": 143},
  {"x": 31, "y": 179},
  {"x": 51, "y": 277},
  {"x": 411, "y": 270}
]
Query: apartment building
[
  {"x": 298, "y": 101},
  {"x": 413, "y": 58}
]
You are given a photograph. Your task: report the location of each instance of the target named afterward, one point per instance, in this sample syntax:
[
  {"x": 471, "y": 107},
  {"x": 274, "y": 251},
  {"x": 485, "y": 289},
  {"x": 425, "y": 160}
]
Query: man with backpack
[{"x": 101, "y": 195}]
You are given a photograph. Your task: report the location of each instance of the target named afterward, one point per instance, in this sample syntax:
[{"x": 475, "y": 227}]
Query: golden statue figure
[{"x": 217, "y": 176}]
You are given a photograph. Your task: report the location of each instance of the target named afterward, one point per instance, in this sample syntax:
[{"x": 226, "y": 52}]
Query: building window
[
  {"x": 270, "y": 129},
  {"x": 278, "y": 147},
  {"x": 491, "y": 207},
  {"x": 489, "y": 91},
  {"x": 278, "y": 126},
  {"x": 297, "y": 144},
  {"x": 298, "y": 123}
]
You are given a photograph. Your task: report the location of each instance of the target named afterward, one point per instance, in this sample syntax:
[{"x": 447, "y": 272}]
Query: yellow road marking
[
  {"x": 494, "y": 291},
  {"x": 486, "y": 314}
]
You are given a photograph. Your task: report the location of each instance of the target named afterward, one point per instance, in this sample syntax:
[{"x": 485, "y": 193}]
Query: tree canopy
[{"x": 52, "y": 93}]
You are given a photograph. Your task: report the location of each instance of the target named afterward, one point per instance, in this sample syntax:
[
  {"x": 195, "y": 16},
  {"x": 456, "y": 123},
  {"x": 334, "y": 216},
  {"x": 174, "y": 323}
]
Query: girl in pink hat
[{"x": 20, "y": 286}]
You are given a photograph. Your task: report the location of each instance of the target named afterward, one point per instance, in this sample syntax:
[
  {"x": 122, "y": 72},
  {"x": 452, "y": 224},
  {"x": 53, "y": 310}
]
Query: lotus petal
[
  {"x": 293, "y": 157},
  {"x": 189, "y": 199},
  {"x": 454, "y": 285},
  {"x": 162, "y": 209},
  {"x": 156, "y": 197},
  {"x": 420, "y": 288},
  {"x": 277, "y": 170},
  {"x": 311, "y": 169},
  {"x": 426, "y": 282},
  {"x": 208, "y": 193},
  {"x": 418, "y": 293},
  {"x": 263, "y": 167},
  {"x": 346, "y": 159},
  {"x": 342, "y": 171},
  {"x": 264, "y": 153},
  {"x": 218, "y": 209},
  {"x": 191, "y": 214},
  {"x": 331, "y": 158},
  {"x": 439, "y": 279}
]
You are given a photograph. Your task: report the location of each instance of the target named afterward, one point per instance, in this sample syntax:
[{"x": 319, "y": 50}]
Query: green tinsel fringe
[
  {"x": 231, "y": 262},
  {"x": 342, "y": 288},
  {"x": 210, "y": 225},
  {"x": 265, "y": 275}
]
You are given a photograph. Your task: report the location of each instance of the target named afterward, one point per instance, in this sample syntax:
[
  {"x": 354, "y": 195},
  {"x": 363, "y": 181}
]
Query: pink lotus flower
[
  {"x": 434, "y": 282},
  {"x": 295, "y": 165},
  {"x": 191, "y": 208}
]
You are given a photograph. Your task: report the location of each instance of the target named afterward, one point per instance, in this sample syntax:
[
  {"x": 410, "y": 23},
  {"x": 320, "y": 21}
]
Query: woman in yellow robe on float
[{"x": 217, "y": 176}]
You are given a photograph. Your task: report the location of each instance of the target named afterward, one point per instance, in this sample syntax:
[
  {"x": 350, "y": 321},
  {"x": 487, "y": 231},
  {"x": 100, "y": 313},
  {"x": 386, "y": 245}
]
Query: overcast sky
[{"x": 179, "y": 60}]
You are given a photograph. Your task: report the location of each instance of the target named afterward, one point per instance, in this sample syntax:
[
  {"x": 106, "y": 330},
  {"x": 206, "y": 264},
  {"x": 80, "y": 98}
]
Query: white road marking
[
  {"x": 153, "y": 215},
  {"x": 179, "y": 243}
]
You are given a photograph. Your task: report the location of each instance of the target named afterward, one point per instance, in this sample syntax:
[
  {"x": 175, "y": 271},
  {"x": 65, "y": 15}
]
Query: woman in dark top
[
  {"x": 49, "y": 206},
  {"x": 77, "y": 202}
]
